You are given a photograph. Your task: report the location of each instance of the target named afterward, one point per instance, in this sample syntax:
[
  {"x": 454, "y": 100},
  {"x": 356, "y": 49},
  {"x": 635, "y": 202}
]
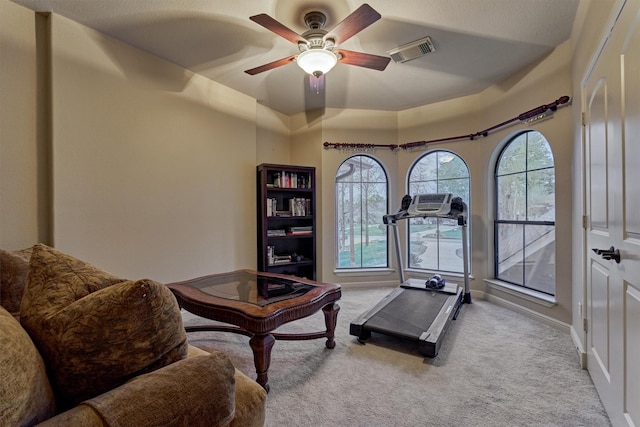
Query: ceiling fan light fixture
[{"x": 317, "y": 61}]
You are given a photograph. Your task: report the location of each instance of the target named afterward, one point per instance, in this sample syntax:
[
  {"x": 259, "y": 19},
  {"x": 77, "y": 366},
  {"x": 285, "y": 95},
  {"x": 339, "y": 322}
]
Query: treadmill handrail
[{"x": 461, "y": 216}]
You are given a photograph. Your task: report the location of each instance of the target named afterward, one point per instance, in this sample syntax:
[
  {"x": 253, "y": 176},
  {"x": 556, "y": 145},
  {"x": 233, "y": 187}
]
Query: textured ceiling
[{"x": 478, "y": 43}]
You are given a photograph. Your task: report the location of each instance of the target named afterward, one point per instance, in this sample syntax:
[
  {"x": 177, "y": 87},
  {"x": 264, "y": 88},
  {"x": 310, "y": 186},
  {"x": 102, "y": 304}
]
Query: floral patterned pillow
[
  {"x": 26, "y": 397},
  {"x": 14, "y": 266},
  {"x": 96, "y": 331}
]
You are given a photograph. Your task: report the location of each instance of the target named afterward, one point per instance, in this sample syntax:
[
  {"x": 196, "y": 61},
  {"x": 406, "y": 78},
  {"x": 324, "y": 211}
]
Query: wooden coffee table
[{"x": 255, "y": 304}]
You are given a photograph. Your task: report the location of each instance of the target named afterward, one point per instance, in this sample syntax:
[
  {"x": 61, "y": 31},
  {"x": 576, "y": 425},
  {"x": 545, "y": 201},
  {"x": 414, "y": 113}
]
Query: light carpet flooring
[{"x": 495, "y": 368}]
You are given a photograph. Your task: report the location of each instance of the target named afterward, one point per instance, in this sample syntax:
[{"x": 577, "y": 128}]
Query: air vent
[{"x": 412, "y": 50}]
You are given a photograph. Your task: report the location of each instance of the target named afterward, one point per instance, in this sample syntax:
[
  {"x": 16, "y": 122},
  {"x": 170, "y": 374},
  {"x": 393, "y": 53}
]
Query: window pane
[
  {"x": 423, "y": 187},
  {"x": 510, "y": 253},
  {"x": 374, "y": 233},
  {"x": 539, "y": 153},
  {"x": 450, "y": 245},
  {"x": 451, "y": 166},
  {"x": 361, "y": 202},
  {"x": 345, "y": 171},
  {"x": 540, "y": 251},
  {"x": 514, "y": 157},
  {"x": 511, "y": 193},
  {"x": 425, "y": 170},
  {"x": 423, "y": 250},
  {"x": 458, "y": 187},
  {"x": 349, "y": 224},
  {"x": 541, "y": 195}
]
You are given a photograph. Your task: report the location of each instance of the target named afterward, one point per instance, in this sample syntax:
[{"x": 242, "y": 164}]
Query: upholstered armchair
[{"x": 79, "y": 346}]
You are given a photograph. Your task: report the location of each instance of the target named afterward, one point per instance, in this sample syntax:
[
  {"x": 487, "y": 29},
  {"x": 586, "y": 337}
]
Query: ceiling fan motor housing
[{"x": 315, "y": 20}]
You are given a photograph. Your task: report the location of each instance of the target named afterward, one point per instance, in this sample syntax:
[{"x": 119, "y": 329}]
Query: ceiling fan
[{"x": 318, "y": 52}]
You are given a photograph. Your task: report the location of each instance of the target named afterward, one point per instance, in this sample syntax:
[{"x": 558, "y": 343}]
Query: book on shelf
[
  {"x": 286, "y": 179},
  {"x": 300, "y": 231},
  {"x": 276, "y": 233},
  {"x": 299, "y": 206},
  {"x": 270, "y": 254},
  {"x": 280, "y": 259}
]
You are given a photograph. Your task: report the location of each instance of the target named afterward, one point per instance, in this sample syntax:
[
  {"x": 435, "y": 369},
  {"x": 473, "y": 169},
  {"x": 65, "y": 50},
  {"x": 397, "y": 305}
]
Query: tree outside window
[
  {"x": 435, "y": 243},
  {"x": 361, "y": 202},
  {"x": 525, "y": 213}
]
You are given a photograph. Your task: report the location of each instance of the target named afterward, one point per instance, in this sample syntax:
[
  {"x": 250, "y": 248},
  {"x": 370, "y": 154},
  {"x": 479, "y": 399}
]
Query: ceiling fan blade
[
  {"x": 359, "y": 19},
  {"x": 271, "y": 65},
  {"x": 272, "y": 25},
  {"x": 365, "y": 60}
]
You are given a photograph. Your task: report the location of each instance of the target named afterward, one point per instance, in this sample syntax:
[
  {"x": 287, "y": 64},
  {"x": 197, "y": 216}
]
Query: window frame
[
  {"x": 409, "y": 183},
  {"x": 498, "y": 220},
  {"x": 361, "y": 266}
]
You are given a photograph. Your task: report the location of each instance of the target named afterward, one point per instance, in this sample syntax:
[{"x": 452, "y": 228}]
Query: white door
[{"x": 612, "y": 177}]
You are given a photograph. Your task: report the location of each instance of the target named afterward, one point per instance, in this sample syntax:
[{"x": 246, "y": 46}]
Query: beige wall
[
  {"x": 154, "y": 167},
  {"x": 273, "y": 141},
  {"x": 19, "y": 139}
]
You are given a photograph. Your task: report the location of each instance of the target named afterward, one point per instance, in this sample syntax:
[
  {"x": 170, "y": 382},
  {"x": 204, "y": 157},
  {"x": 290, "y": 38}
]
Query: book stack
[
  {"x": 300, "y": 231},
  {"x": 299, "y": 206},
  {"x": 276, "y": 233},
  {"x": 281, "y": 259}
]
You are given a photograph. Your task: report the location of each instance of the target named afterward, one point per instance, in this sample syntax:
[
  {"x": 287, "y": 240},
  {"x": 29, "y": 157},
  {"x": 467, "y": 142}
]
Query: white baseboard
[{"x": 577, "y": 342}]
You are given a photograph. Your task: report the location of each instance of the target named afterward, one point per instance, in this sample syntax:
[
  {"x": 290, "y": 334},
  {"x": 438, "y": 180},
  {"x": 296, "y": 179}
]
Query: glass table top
[{"x": 253, "y": 288}]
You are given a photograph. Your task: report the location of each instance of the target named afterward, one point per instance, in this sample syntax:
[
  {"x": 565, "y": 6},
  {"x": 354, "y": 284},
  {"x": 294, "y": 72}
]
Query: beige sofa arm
[{"x": 197, "y": 391}]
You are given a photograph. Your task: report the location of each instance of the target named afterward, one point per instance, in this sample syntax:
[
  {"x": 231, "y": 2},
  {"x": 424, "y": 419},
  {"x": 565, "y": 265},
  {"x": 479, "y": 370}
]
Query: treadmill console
[{"x": 430, "y": 204}]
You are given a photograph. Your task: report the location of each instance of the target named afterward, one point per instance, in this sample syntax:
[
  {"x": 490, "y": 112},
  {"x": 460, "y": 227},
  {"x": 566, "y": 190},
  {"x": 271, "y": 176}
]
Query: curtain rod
[{"x": 536, "y": 114}]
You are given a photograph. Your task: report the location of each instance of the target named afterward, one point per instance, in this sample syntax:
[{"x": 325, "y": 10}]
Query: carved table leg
[
  {"x": 261, "y": 346},
  {"x": 331, "y": 319}
]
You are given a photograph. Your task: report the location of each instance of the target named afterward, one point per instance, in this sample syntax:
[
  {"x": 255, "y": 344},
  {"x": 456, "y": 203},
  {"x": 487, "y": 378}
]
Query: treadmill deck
[{"x": 421, "y": 315}]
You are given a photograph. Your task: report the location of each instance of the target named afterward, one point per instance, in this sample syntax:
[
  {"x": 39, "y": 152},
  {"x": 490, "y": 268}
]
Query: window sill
[
  {"x": 364, "y": 272},
  {"x": 527, "y": 294}
]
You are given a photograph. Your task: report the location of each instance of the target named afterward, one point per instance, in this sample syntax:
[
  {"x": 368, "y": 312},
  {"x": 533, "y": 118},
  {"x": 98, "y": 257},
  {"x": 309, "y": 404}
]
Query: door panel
[
  {"x": 630, "y": 245},
  {"x": 631, "y": 111},
  {"x": 599, "y": 303},
  {"x": 597, "y": 146},
  {"x": 612, "y": 196},
  {"x": 632, "y": 356},
  {"x": 600, "y": 209}
]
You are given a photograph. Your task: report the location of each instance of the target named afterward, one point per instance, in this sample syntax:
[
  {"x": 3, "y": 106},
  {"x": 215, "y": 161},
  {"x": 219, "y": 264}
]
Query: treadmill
[{"x": 416, "y": 310}]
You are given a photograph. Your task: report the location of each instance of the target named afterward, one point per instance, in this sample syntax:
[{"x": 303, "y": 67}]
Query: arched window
[
  {"x": 435, "y": 243},
  {"x": 361, "y": 201},
  {"x": 524, "y": 227}
]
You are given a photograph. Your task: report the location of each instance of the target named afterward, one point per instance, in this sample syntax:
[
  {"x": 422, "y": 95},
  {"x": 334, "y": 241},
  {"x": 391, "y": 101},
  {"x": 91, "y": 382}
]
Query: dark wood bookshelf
[{"x": 286, "y": 219}]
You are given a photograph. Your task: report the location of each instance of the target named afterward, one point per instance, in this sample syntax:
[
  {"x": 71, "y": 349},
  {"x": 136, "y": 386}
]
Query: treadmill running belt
[{"x": 409, "y": 314}]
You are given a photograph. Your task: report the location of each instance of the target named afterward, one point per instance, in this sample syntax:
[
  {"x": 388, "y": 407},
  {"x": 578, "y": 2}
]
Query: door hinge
[
  {"x": 584, "y": 119},
  {"x": 585, "y": 221},
  {"x": 585, "y": 324}
]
